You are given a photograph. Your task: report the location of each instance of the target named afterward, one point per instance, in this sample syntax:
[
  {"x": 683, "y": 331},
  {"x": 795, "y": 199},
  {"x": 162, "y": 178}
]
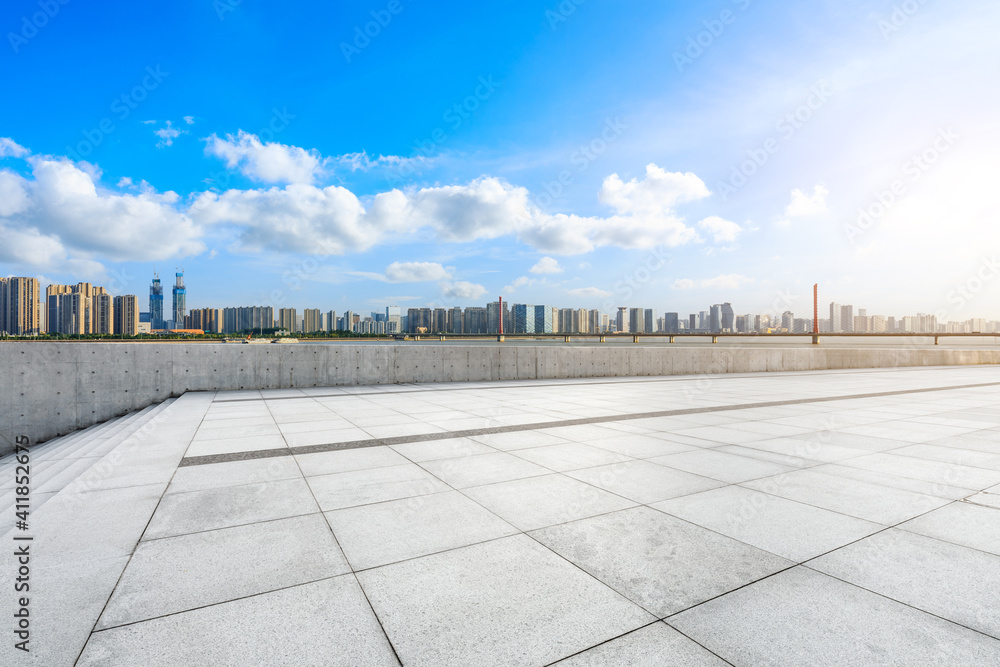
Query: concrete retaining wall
[{"x": 52, "y": 388}]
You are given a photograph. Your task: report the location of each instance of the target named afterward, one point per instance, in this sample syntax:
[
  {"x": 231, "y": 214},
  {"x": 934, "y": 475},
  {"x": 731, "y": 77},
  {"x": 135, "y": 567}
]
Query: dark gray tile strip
[{"x": 425, "y": 437}]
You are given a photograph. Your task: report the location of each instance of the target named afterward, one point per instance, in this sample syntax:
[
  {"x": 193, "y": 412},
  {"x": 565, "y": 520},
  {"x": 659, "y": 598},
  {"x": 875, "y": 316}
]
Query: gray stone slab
[
  {"x": 504, "y": 602},
  {"x": 644, "y": 482},
  {"x": 361, "y": 487},
  {"x": 803, "y": 617},
  {"x": 196, "y": 511},
  {"x": 233, "y": 473},
  {"x": 985, "y": 498},
  {"x": 947, "y": 580},
  {"x": 382, "y": 533},
  {"x": 570, "y": 456},
  {"x": 970, "y": 525},
  {"x": 536, "y": 502},
  {"x": 722, "y": 466},
  {"x": 783, "y": 527},
  {"x": 176, "y": 574},
  {"x": 894, "y": 481},
  {"x": 662, "y": 563},
  {"x": 64, "y": 604},
  {"x": 966, "y": 457},
  {"x": 950, "y": 474},
  {"x": 773, "y": 457},
  {"x": 641, "y": 446},
  {"x": 230, "y": 445},
  {"x": 655, "y": 645},
  {"x": 518, "y": 440},
  {"x": 448, "y": 448},
  {"x": 324, "y": 463},
  {"x": 814, "y": 449},
  {"x": 483, "y": 469},
  {"x": 872, "y": 502},
  {"x": 326, "y": 622}
]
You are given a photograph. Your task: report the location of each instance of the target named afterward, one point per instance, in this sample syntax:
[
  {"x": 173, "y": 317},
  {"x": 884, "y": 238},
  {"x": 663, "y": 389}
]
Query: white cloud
[
  {"x": 659, "y": 192},
  {"x": 803, "y": 205},
  {"x": 726, "y": 281},
  {"x": 9, "y": 148},
  {"x": 546, "y": 265},
  {"x": 363, "y": 162},
  {"x": 462, "y": 290},
  {"x": 265, "y": 162},
  {"x": 415, "y": 272},
  {"x": 722, "y": 231},
  {"x": 189, "y": 120},
  {"x": 589, "y": 292},
  {"x": 62, "y": 203},
  {"x": 167, "y": 135},
  {"x": 523, "y": 281}
]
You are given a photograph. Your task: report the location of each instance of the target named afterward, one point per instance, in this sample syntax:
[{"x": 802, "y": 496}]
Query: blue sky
[{"x": 593, "y": 154}]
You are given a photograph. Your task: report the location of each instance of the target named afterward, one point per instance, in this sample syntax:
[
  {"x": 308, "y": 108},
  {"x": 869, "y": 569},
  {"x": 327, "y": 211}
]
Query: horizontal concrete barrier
[{"x": 50, "y": 389}]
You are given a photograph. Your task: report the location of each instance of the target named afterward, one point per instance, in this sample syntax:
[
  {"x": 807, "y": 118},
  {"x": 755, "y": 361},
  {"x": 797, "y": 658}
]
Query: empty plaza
[{"x": 843, "y": 517}]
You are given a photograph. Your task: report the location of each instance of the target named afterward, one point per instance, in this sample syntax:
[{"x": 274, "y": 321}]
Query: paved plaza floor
[{"x": 810, "y": 518}]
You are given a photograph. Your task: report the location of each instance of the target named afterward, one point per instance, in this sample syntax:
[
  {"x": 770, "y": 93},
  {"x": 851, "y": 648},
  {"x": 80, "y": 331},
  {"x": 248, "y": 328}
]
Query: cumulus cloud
[
  {"x": 546, "y": 265},
  {"x": 522, "y": 281},
  {"x": 63, "y": 204},
  {"x": 589, "y": 292},
  {"x": 265, "y": 162},
  {"x": 415, "y": 272},
  {"x": 803, "y": 205},
  {"x": 659, "y": 192},
  {"x": 9, "y": 148},
  {"x": 189, "y": 120},
  {"x": 462, "y": 290},
  {"x": 722, "y": 231},
  {"x": 726, "y": 281}
]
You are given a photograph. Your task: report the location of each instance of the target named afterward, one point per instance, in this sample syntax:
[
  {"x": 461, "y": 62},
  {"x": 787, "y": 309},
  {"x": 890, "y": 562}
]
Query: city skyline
[{"x": 711, "y": 168}]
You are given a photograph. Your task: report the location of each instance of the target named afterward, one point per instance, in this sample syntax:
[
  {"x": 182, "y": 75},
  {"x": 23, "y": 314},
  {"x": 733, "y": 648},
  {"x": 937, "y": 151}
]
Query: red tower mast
[{"x": 816, "y": 308}]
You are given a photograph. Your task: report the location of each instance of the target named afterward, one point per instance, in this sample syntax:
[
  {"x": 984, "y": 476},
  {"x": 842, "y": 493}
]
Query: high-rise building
[
  {"x": 847, "y": 318},
  {"x": 788, "y": 321},
  {"x": 524, "y": 318},
  {"x": 102, "y": 320},
  {"x": 727, "y": 317},
  {"x": 180, "y": 299},
  {"x": 440, "y": 322},
  {"x": 394, "y": 319},
  {"x": 715, "y": 318},
  {"x": 671, "y": 323},
  {"x": 648, "y": 326},
  {"x": 692, "y": 322},
  {"x": 621, "y": 320},
  {"x": 20, "y": 308},
  {"x": 331, "y": 320},
  {"x": 476, "y": 320},
  {"x": 494, "y": 315},
  {"x": 287, "y": 319},
  {"x": 456, "y": 323},
  {"x": 311, "y": 320},
  {"x": 126, "y": 309},
  {"x": 156, "y": 304}
]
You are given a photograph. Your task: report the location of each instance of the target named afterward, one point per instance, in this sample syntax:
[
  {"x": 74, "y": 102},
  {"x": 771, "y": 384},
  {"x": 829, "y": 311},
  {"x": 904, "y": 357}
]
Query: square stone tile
[
  {"x": 951, "y": 474},
  {"x": 970, "y": 525},
  {"x": 764, "y": 455},
  {"x": 570, "y": 456},
  {"x": 872, "y": 502},
  {"x": 233, "y": 473},
  {"x": 813, "y": 449},
  {"x": 483, "y": 469},
  {"x": 655, "y": 645},
  {"x": 382, "y": 533},
  {"x": 326, "y": 622},
  {"x": 176, "y": 574},
  {"x": 803, "y": 618},
  {"x": 376, "y": 485},
  {"x": 722, "y": 466},
  {"x": 660, "y": 562},
  {"x": 518, "y": 440},
  {"x": 505, "y": 602},
  {"x": 448, "y": 448},
  {"x": 196, "y": 511},
  {"x": 644, "y": 482},
  {"x": 783, "y": 527},
  {"x": 893, "y": 481},
  {"x": 640, "y": 446},
  {"x": 232, "y": 445},
  {"x": 324, "y": 463},
  {"x": 947, "y": 580},
  {"x": 536, "y": 502},
  {"x": 966, "y": 457}
]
